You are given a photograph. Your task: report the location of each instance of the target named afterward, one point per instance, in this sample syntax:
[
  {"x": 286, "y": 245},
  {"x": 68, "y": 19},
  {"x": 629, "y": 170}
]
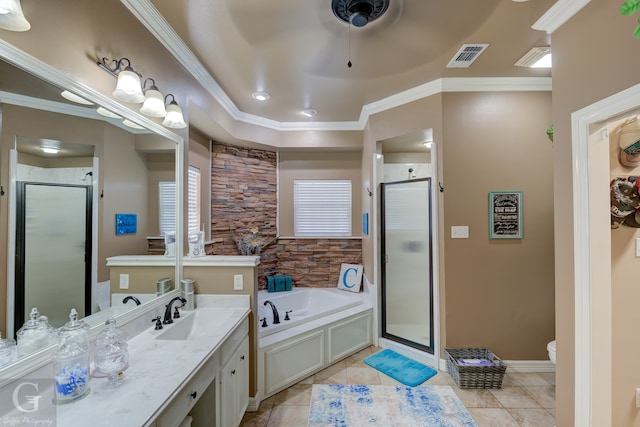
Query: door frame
[
  {"x": 383, "y": 312},
  {"x": 592, "y": 360},
  {"x": 11, "y": 236}
]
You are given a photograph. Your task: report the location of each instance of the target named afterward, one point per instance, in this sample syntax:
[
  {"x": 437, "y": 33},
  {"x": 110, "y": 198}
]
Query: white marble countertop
[{"x": 157, "y": 370}]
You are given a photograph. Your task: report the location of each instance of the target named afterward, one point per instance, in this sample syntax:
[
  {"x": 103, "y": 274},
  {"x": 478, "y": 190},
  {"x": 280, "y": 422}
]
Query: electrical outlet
[
  {"x": 237, "y": 282},
  {"x": 124, "y": 281}
]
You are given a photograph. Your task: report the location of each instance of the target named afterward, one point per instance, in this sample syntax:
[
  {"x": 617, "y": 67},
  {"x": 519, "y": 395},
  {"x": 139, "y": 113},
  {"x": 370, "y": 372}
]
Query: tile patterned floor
[{"x": 525, "y": 400}]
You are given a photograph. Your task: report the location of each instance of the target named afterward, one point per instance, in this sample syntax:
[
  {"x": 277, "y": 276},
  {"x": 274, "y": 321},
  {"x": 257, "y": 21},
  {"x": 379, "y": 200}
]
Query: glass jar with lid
[
  {"x": 111, "y": 353},
  {"x": 33, "y": 335},
  {"x": 70, "y": 371},
  {"x": 75, "y": 328}
]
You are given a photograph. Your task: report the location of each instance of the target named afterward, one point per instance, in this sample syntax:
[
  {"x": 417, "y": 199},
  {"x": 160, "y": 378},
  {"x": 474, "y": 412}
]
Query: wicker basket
[{"x": 475, "y": 376}]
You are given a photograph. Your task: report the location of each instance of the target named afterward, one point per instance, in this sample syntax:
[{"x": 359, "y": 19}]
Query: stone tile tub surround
[{"x": 157, "y": 369}]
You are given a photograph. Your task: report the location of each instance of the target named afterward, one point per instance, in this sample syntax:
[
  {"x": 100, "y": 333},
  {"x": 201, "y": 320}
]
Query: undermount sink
[{"x": 202, "y": 323}]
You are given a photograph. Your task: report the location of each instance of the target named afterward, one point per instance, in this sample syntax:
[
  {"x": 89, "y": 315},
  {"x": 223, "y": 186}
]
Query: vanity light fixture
[
  {"x": 309, "y": 112},
  {"x": 128, "y": 87},
  {"x": 174, "y": 118},
  {"x": 261, "y": 96},
  {"x": 70, "y": 96},
  {"x": 153, "y": 101},
  {"x": 11, "y": 16}
]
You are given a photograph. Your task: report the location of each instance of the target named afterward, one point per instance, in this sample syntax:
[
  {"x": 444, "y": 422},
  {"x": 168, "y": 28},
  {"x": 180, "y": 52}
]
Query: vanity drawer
[
  {"x": 234, "y": 340},
  {"x": 187, "y": 397}
]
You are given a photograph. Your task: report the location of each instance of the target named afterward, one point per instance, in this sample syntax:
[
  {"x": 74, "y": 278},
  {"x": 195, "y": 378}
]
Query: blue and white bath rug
[{"x": 338, "y": 405}]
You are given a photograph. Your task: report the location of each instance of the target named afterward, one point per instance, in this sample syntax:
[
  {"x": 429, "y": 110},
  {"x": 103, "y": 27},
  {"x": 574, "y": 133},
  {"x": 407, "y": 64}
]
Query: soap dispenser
[
  {"x": 75, "y": 328},
  {"x": 111, "y": 353},
  {"x": 32, "y": 336}
]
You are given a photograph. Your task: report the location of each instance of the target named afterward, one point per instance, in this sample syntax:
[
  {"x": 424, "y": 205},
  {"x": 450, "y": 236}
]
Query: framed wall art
[{"x": 505, "y": 214}]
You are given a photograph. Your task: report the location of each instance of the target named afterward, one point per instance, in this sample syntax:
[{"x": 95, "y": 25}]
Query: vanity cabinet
[{"x": 234, "y": 385}]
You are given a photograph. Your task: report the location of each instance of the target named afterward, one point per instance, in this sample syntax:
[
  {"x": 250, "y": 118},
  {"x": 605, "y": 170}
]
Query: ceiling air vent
[{"x": 466, "y": 55}]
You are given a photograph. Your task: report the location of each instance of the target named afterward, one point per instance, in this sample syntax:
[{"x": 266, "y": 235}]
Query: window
[
  {"x": 322, "y": 208},
  {"x": 167, "y": 198},
  {"x": 167, "y": 206},
  {"x": 193, "y": 199}
]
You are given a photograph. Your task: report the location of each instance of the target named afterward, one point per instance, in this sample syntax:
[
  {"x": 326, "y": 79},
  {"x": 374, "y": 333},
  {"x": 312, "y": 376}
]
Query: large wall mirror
[{"x": 70, "y": 176}]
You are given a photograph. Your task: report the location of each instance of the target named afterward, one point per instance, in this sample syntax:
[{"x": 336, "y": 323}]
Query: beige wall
[
  {"x": 487, "y": 141},
  {"x": 597, "y": 56},
  {"x": 500, "y": 292},
  {"x": 317, "y": 165}
]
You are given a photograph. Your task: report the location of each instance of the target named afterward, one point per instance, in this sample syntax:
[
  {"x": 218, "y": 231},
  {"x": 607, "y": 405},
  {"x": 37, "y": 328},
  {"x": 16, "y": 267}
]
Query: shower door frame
[{"x": 383, "y": 269}]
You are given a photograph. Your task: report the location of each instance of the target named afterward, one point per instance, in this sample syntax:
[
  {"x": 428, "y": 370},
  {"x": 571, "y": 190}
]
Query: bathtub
[
  {"x": 303, "y": 305},
  {"x": 326, "y": 325}
]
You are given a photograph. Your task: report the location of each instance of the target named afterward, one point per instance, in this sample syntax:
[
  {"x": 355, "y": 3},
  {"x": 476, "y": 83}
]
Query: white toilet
[{"x": 551, "y": 348}]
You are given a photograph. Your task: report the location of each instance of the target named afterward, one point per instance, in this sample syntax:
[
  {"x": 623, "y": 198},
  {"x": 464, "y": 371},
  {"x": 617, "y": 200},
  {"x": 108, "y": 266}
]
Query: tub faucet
[
  {"x": 167, "y": 313},
  {"x": 276, "y": 317},
  {"x": 131, "y": 298}
]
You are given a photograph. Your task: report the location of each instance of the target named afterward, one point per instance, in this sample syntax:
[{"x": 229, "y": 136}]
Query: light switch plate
[
  {"x": 638, "y": 398},
  {"x": 124, "y": 281},
  {"x": 237, "y": 282},
  {"x": 459, "y": 231}
]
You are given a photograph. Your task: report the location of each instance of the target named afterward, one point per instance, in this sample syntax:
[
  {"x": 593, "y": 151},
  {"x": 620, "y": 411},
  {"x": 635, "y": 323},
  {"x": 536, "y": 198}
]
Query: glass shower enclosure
[{"x": 407, "y": 277}]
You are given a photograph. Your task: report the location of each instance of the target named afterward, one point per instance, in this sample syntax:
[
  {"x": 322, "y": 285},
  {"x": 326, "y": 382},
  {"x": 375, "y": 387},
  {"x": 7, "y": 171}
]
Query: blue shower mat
[{"x": 400, "y": 368}]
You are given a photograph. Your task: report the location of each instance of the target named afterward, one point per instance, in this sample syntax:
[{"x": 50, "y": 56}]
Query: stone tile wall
[{"x": 244, "y": 196}]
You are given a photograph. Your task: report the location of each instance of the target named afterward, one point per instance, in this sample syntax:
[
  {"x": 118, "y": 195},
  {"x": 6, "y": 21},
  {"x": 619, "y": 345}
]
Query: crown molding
[
  {"x": 558, "y": 14},
  {"x": 151, "y": 18}
]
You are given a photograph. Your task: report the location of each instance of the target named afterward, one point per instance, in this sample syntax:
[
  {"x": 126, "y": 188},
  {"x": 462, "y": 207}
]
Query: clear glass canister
[
  {"x": 75, "y": 328},
  {"x": 32, "y": 336},
  {"x": 70, "y": 371},
  {"x": 7, "y": 347},
  {"x": 111, "y": 353}
]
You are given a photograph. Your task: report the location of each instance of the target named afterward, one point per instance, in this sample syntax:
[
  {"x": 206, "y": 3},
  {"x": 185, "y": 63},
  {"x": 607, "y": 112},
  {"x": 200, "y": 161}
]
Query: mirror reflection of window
[{"x": 167, "y": 193}]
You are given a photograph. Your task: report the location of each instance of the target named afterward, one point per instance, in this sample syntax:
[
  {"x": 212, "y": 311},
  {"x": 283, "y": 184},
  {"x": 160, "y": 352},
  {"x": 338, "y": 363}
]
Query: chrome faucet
[
  {"x": 276, "y": 317},
  {"x": 131, "y": 298},
  {"x": 167, "y": 312}
]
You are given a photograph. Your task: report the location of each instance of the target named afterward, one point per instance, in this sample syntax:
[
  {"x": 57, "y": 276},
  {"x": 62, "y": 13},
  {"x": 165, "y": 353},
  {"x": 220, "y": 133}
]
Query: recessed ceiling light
[
  {"x": 103, "y": 111},
  {"x": 261, "y": 96},
  {"x": 75, "y": 98},
  {"x": 309, "y": 112},
  {"x": 50, "y": 150}
]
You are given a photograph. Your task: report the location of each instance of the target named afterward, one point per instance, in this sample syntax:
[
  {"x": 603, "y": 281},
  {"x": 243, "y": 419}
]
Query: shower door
[
  {"x": 53, "y": 251},
  {"x": 407, "y": 288}
]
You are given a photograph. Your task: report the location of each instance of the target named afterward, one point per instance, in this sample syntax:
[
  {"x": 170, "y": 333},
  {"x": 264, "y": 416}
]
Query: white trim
[
  {"x": 412, "y": 353},
  {"x": 435, "y": 246},
  {"x": 529, "y": 366},
  {"x": 604, "y": 109},
  {"x": 151, "y": 18},
  {"x": 558, "y": 14},
  {"x": 11, "y": 243}
]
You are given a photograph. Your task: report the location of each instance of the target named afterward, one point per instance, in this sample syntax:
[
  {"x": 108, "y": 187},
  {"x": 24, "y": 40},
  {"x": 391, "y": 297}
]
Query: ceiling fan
[{"x": 359, "y": 12}]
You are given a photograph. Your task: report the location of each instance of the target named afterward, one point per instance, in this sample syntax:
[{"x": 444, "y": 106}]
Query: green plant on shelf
[{"x": 631, "y": 7}]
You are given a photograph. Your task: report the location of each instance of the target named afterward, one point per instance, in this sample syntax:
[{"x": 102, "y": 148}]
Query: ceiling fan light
[
  {"x": 128, "y": 88},
  {"x": 174, "y": 118},
  {"x": 11, "y": 16},
  {"x": 153, "y": 104}
]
